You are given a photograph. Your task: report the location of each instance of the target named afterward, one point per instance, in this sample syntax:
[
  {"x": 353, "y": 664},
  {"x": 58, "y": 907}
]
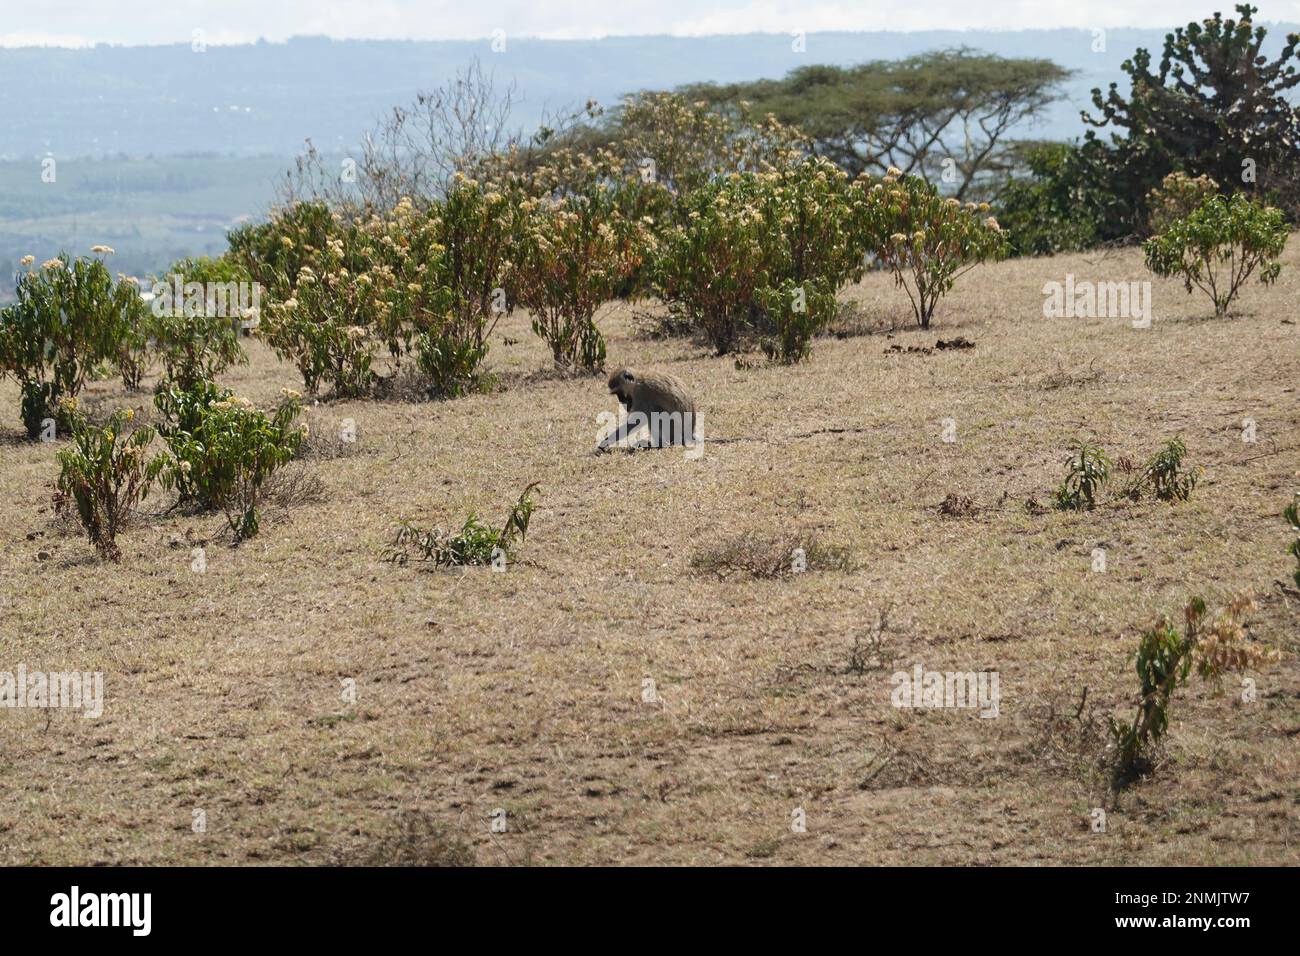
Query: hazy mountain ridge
[{"x": 267, "y": 98}]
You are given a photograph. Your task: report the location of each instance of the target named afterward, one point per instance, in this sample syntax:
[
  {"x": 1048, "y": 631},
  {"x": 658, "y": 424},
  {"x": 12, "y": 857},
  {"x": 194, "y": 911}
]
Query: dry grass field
[{"x": 522, "y": 691}]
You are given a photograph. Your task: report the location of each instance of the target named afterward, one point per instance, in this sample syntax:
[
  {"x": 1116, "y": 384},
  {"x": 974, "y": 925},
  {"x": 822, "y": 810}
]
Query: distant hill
[{"x": 266, "y": 98}]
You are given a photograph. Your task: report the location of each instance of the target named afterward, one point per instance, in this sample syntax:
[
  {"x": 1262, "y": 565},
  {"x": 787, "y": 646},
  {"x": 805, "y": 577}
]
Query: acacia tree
[
  {"x": 942, "y": 115},
  {"x": 1216, "y": 107}
]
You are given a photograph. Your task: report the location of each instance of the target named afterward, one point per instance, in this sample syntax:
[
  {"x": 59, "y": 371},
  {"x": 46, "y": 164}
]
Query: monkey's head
[{"x": 620, "y": 385}]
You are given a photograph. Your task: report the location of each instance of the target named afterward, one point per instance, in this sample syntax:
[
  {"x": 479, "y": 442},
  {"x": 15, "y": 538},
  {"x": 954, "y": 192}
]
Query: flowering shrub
[
  {"x": 230, "y": 452},
  {"x": 685, "y": 144},
  {"x": 475, "y": 228},
  {"x": 927, "y": 241},
  {"x": 1220, "y": 245},
  {"x": 808, "y": 210},
  {"x": 682, "y": 144},
  {"x": 340, "y": 310},
  {"x": 181, "y": 412},
  {"x": 69, "y": 317},
  {"x": 274, "y": 252},
  {"x": 711, "y": 266},
  {"x": 755, "y": 249},
  {"x": 422, "y": 281},
  {"x": 1177, "y": 196},
  {"x": 323, "y": 277},
  {"x": 105, "y": 473},
  {"x": 576, "y": 247}
]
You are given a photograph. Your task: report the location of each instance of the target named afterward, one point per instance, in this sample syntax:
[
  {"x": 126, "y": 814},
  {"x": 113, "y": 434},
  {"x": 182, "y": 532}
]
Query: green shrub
[
  {"x": 574, "y": 252},
  {"x": 711, "y": 266},
  {"x": 198, "y": 340},
  {"x": 181, "y": 412},
  {"x": 796, "y": 312},
  {"x": 927, "y": 241},
  {"x": 68, "y": 318},
  {"x": 230, "y": 452},
  {"x": 105, "y": 473},
  {"x": 328, "y": 326},
  {"x": 471, "y": 247},
  {"x": 1165, "y": 658},
  {"x": 426, "y": 282},
  {"x": 1220, "y": 245},
  {"x": 745, "y": 243},
  {"x": 1088, "y": 470},
  {"x": 474, "y": 544},
  {"x": 273, "y": 253},
  {"x": 1059, "y": 202}
]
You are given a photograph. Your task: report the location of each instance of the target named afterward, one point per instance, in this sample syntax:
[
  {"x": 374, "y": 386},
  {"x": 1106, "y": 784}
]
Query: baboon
[{"x": 660, "y": 402}]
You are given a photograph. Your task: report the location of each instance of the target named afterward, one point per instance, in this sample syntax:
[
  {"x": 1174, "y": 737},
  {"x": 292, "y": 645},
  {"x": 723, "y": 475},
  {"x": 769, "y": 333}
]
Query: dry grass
[{"x": 523, "y": 691}]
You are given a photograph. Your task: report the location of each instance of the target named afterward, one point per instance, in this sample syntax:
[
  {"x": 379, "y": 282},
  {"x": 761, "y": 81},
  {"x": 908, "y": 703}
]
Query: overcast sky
[{"x": 79, "y": 22}]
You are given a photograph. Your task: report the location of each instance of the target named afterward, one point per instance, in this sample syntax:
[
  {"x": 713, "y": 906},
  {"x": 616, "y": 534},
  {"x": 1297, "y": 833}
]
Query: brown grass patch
[{"x": 524, "y": 690}]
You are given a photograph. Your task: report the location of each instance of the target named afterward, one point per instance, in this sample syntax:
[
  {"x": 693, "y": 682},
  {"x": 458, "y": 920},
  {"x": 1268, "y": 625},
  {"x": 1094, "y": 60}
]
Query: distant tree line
[{"x": 1213, "y": 107}]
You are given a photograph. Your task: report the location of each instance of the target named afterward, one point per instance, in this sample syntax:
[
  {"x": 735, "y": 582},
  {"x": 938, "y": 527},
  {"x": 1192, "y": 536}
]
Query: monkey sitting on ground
[{"x": 659, "y": 402}]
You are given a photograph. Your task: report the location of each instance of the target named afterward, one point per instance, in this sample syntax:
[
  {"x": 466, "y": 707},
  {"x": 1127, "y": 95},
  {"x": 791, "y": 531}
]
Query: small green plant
[
  {"x": 1220, "y": 245},
  {"x": 229, "y": 452},
  {"x": 1292, "y": 515},
  {"x": 474, "y": 544},
  {"x": 1164, "y": 474},
  {"x": 105, "y": 473},
  {"x": 1088, "y": 471},
  {"x": 1212, "y": 646}
]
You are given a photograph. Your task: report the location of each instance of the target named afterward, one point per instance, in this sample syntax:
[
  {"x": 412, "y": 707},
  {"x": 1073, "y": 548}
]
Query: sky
[{"x": 83, "y": 22}]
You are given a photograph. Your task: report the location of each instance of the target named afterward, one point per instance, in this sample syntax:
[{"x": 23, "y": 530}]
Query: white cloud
[{"x": 238, "y": 21}]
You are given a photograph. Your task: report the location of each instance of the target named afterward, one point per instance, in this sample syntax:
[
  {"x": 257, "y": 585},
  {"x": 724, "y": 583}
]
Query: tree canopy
[{"x": 942, "y": 115}]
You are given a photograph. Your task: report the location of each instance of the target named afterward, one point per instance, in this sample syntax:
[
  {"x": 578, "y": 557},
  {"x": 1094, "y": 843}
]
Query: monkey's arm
[{"x": 620, "y": 435}]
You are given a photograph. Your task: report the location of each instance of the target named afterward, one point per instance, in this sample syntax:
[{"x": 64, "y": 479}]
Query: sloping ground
[{"x": 523, "y": 691}]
